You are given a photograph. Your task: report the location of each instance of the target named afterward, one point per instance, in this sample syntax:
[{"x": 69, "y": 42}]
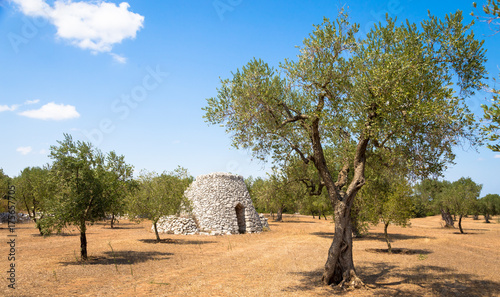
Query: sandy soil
[{"x": 286, "y": 261}]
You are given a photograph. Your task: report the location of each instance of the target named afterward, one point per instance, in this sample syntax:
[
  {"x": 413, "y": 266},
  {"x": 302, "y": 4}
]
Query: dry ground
[{"x": 286, "y": 261}]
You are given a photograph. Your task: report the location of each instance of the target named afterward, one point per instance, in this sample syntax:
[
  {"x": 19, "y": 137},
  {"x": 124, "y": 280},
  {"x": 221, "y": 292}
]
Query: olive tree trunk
[
  {"x": 279, "y": 215},
  {"x": 339, "y": 267},
  {"x": 156, "y": 231},
  {"x": 83, "y": 241},
  {"x": 448, "y": 220},
  {"x": 460, "y": 224},
  {"x": 389, "y": 248}
]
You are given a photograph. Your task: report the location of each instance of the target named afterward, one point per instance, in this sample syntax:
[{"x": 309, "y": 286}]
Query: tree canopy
[
  {"x": 159, "y": 195},
  {"x": 390, "y": 93},
  {"x": 491, "y": 129},
  {"x": 461, "y": 197},
  {"x": 81, "y": 173},
  {"x": 34, "y": 189}
]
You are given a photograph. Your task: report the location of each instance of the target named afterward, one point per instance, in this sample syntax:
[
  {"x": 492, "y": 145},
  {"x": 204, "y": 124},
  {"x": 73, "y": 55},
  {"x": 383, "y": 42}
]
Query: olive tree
[
  {"x": 461, "y": 198},
  {"x": 489, "y": 206},
  {"x": 80, "y": 173},
  {"x": 432, "y": 193},
  {"x": 159, "y": 195},
  {"x": 491, "y": 129},
  {"x": 34, "y": 190},
  {"x": 387, "y": 198},
  {"x": 4, "y": 189},
  {"x": 119, "y": 182},
  {"x": 390, "y": 92}
]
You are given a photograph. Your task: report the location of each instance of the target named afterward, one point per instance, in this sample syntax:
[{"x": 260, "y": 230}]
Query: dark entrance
[{"x": 240, "y": 217}]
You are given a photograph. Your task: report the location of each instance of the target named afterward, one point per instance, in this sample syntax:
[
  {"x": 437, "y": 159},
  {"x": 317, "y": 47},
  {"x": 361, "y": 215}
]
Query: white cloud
[
  {"x": 93, "y": 25},
  {"x": 24, "y": 150},
  {"x": 8, "y": 108},
  {"x": 52, "y": 111},
  {"x": 496, "y": 156},
  {"x": 43, "y": 152},
  {"x": 118, "y": 58},
  {"x": 29, "y": 102}
]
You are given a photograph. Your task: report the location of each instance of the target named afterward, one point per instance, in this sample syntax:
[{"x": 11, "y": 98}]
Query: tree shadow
[
  {"x": 62, "y": 234},
  {"x": 121, "y": 258},
  {"x": 294, "y": 221},
  {"x": 124, "y": 227},
  {"x": 309, "y": 282},
  {"x": 467, "y": 233},
  {"x": 176, "y": 241},
  {"x": 402, "y": 251},
  {"x": 383, "y": 279},
  {"x": 375, "y": 236}
]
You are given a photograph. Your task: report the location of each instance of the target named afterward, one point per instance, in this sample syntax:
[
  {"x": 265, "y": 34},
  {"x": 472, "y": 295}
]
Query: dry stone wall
[
  {"x": 221, "y": 204},
  {"x": 177, "y": 225}
]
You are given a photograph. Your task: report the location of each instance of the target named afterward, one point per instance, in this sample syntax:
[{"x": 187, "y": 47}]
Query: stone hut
[{"x": 221, "y": 203}]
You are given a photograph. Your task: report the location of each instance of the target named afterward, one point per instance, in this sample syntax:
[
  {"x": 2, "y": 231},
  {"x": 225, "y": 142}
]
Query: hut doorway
[{"x": 240, "y": 217}]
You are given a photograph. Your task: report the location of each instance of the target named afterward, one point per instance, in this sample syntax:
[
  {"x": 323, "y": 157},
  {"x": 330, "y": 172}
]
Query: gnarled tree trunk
[
  {"x": 339, "y": 267},
  {"x": 389, "y": 247},
  {"x": 445, "y": 214},
  {"x": 279, "y": 215}
]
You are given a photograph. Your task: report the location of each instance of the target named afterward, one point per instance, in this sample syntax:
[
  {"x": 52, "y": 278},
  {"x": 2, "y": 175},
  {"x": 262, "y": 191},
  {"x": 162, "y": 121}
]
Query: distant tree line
[
  {"x": 82, "y": 185},
  {"x": 388, "y": 198}
]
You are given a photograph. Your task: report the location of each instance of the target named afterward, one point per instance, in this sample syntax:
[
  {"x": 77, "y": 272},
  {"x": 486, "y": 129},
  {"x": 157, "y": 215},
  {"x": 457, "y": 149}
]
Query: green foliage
[
  {"x": 81, "y": 174},
  {"x": 159, "y": 195},
  {"x": 491, "y": 129},
  {"x": 277, "y": 193},
  {"x": 394, "y": 88},
  {"x": 462, "y": 196},
  {"x": 428, "y": 197},
  {"x": 4, "y": 188},
  {"x": 489, "y": 205},
  {"x": 119, "y": 182},
  {"x": 492, "y": 117},
  {"x": 492, "y": 11},
  {"x": 387, "y": 199},
  {"x": 390, "y": 94},
  {"x": 34, "y": 190}
]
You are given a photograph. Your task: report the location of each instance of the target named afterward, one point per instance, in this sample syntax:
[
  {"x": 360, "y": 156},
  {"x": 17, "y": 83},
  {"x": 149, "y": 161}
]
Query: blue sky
[{"x": 133, "y": 77}]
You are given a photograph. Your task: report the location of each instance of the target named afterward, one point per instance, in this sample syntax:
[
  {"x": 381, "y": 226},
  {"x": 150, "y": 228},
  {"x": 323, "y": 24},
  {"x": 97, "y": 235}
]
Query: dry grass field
[{"x": 286, "y": 261}]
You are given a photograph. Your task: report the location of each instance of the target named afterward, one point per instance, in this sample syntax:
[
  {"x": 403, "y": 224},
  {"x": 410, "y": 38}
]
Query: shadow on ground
[
  {"x": 384, "y": 279},
  {"x": 121, "y": 258},
  {"x": 374, "y": 236},
  {"x": 124, "y": 227},
  {"x": 402, "y": 251},
  {"x": 285, "y": 221},
  {"x": 176, "y": 241}
]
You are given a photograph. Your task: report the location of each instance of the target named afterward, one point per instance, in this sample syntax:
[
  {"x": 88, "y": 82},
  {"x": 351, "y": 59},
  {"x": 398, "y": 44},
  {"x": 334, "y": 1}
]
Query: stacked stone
[
  {"x": 20, "y": 217},
  {"x": 221, "y": 205},
  {"x": 263, "y": 221},
  {"x": 219, "y": 200},
  {"x": 177, "y": 225}
]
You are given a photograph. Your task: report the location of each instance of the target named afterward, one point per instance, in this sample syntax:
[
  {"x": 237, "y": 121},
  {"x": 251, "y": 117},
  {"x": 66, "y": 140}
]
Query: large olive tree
[
  {"x": 81, "y": 174},
  {"x": 389, "y": 94}
]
